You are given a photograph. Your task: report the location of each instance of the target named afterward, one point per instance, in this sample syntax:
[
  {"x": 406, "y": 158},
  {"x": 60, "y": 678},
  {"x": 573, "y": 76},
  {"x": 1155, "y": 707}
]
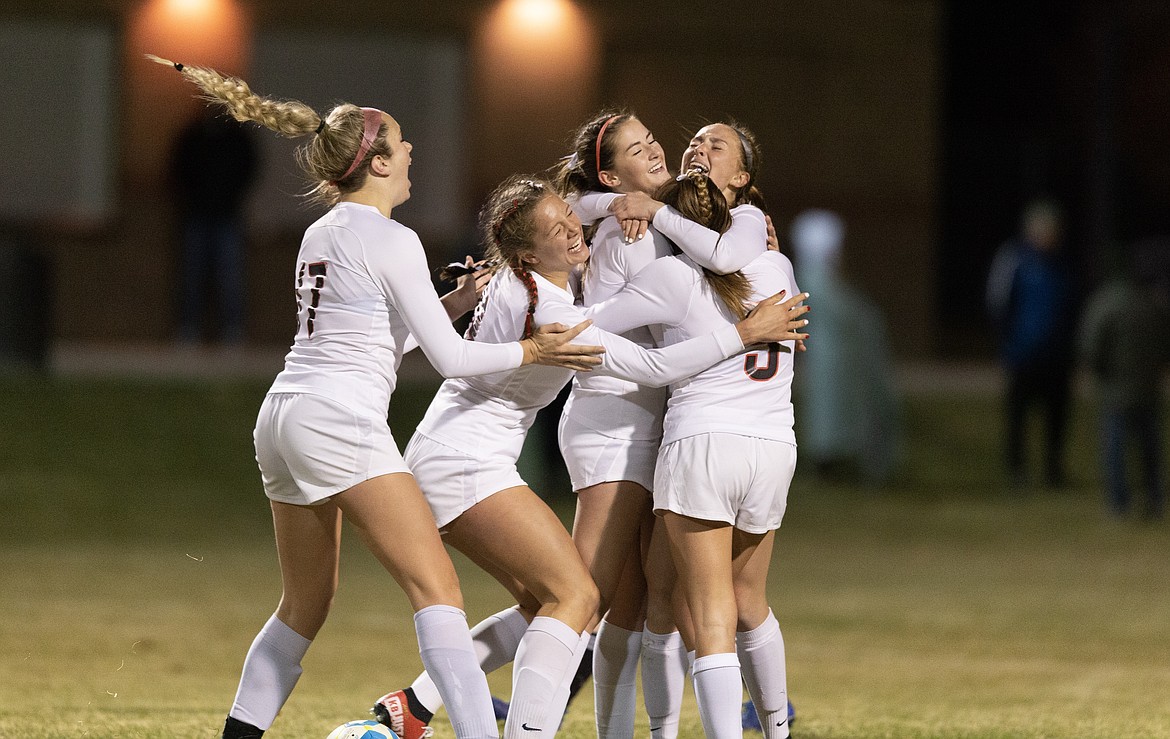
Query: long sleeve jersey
[
  {"x": 617, "y": 407},
  {"x": 490, "y": 414},
  {"x": 362, "y": 289},
  {"x": 749, "y": 395}
]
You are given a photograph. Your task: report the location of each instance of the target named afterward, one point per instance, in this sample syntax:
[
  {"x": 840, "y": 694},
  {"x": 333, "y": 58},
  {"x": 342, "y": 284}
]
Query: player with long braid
[
  {"x": 322, "y": 441},
  {"x": 727, "y": 459},
  {"x": 465, "y": 450},
  {"x": 610, "y": 431}
]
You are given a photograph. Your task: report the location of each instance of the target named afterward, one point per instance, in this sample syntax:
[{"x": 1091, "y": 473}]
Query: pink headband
[
  {"x": 597, "y": 152},
  {"x": 371, "y": 123}
]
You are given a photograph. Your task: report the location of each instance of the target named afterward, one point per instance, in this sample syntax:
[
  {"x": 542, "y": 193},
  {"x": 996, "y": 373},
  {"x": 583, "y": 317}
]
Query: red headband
[
  {"x": 597, "y": 152},
  {"x": 371, "y": 123}
]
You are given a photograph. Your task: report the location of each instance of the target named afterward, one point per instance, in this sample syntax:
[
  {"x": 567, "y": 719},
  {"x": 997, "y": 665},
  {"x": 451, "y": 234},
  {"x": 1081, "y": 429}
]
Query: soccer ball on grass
[{"x": 362, "y": 730}]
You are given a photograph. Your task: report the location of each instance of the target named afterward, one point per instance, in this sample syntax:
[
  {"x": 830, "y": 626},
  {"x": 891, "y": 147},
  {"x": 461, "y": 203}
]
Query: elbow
[
  {"x": 448, "y": 366},
  {"x": 658, "y": 381}
]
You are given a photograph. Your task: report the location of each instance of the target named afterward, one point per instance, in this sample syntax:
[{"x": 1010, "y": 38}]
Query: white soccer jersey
[
  {"x": 363, "y": 288},
  {"x": 744, "y": 240},
  {"x": 613, "y": 406},
  {"x": 722, "y": 253},
  {"x": 490, "y": 414},
  {"x": 748, "y": 394}
]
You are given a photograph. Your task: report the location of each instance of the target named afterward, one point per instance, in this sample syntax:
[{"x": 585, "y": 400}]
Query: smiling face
[
  {"x": 558, "y": 245},
  {"x": 639, "y": 164},
  {"x": 716, "y": 150}
]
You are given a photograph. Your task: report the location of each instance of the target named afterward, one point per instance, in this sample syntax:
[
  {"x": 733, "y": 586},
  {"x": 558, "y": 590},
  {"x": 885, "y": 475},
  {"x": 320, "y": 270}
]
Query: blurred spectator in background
[
  {"x": 1125, "y": 345},
  {"x": 213, "y": 167},
  {"x": 849, "y": 405},
  {"x": 1031, "y": 300}
]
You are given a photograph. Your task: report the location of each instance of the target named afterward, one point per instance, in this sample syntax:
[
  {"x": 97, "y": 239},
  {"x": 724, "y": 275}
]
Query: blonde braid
[
  {"x": 327, "y": 159},
  {"x": 289, "y": 118}
]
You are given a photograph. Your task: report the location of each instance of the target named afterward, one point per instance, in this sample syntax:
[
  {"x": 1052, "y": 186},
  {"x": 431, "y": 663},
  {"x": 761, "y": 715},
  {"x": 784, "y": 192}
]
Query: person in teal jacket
[{"x": 845, "y": 390}]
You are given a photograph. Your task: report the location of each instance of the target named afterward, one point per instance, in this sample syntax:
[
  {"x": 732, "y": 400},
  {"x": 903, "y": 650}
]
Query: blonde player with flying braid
[
  {"x": 465, "y": 449},
  {"x": 727, "y": 458},
  {"x": 323, "y": 445}
]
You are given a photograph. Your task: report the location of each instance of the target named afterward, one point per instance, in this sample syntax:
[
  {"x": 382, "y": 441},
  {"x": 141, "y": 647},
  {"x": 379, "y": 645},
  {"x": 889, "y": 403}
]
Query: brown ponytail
[{"x": 593, "y": 152}]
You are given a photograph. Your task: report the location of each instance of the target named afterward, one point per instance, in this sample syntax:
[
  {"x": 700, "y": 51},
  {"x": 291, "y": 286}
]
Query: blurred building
[
  {"x": 852, "y": 101},
  {"x": 843, "y": 96}
]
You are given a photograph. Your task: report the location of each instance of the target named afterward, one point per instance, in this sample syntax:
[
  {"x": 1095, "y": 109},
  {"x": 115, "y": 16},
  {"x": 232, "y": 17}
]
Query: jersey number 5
[
  {"x": 316, "y": 272},
  {"x": 751, "y": 363}
]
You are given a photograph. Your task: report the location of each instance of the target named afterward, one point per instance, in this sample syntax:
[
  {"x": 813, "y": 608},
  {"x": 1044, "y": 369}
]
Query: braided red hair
[{"x": 525, "y": 278}]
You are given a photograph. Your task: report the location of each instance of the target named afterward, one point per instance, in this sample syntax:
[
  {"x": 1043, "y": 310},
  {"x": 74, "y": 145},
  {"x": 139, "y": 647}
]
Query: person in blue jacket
[{"x": 1031, "y": 298}]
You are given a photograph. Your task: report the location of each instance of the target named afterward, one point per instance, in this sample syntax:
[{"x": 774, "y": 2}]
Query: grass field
[{"x": 137, "y": 565}]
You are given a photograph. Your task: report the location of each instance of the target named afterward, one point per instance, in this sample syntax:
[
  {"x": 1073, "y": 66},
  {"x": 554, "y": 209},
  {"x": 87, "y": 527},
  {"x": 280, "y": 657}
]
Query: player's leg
[
  {"x": 307, "y": 543},
  {"x": 618, "y": 646},
  {"x": 702, "y": 553},
  {"x": 1056, "y": 391},
  {"x": 758, "y": 640},
  {"x": 664, "y": 653},
  {"x": 606, "y": 530},
  {"x": 414, "y": 555},
  {"x": 515, "y": 532}
]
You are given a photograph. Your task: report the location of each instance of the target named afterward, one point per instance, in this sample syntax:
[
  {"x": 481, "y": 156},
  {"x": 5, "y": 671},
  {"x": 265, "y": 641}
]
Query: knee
[
  {"x": 305, "y": 615},
  {"x": 714, "y": 631},
  {"x": 439, "y": 587},
  {"x": 751, "y": 608},
  {"x": 579, "y": 603},
  {"x": 590, "y": 598}
]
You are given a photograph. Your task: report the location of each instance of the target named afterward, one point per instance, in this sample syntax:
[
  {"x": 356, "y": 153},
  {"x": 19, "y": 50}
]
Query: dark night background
[{"x": 1069, "y": 100}]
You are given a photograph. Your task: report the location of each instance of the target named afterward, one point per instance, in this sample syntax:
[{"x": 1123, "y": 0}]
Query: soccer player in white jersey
[
  {"x": 601, "y": 410},
  {"x": 727, "y": 458},
  {"x": 611, "y": 429},
  {"x": 465, "y": 449},
  {"x": 322, "y": 440}
]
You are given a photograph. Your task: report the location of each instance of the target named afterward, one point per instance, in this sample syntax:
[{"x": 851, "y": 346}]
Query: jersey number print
[
  {"x": 751, "y": 363},
  {"x": 317, "y": 272}
]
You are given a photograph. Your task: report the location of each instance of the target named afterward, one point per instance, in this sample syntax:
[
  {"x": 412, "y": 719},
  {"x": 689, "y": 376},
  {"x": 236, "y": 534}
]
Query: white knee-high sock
[
  {"x": 496, "y": 638},
  {"x": 271, "y": 671},
  {"x": 615, "y": 680},
  {"x": 719, "y": 693},
  {"x": 664, "y": 671},
  {"x": 761, "y": 658},
  {"x": 444, "y": 643},
  {"x": 542, "y": 659},
  {"x": 560, "y": 702}
]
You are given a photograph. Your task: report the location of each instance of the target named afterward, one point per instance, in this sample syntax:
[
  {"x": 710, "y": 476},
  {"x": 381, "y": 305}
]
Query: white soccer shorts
[
  {"x": 740, "y": 480},
  {"x": 453, "y": 481},
  {"x": 310, "y": 448},
  {"x": 593, "y": 457}
]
